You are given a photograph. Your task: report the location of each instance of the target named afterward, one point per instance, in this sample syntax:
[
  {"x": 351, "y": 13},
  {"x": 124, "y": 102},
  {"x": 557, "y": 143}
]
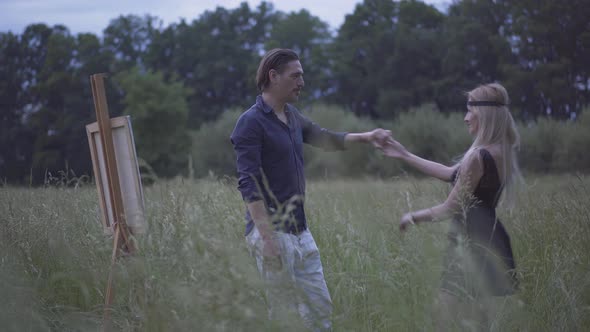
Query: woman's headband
[{"x": 484, "y": 103}]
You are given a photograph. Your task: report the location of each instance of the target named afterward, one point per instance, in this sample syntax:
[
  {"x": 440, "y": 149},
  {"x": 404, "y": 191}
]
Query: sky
[{"x": 93, "y": 16}]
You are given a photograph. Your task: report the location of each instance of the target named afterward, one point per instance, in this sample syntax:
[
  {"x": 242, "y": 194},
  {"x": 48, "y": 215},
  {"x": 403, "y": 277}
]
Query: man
[{"x": 268, "y": 141}]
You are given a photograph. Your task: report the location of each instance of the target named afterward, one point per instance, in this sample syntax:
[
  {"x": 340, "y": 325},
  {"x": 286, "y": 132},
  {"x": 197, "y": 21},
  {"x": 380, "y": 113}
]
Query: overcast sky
[{"x": 93, "y": 15}]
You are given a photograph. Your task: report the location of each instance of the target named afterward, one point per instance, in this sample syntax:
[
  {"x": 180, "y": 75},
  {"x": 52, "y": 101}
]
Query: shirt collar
[
  {"x": 262, "y": 105},
  {"x": 266, "y": 108}
]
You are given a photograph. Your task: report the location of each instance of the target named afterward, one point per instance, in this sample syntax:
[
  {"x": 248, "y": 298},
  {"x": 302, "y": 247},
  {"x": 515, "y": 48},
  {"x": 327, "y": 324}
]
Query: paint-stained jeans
[{"x": 296, "y": 281}]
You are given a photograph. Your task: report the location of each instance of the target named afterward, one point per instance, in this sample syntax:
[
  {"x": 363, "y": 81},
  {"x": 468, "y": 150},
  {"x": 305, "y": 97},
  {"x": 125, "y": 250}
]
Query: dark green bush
[
  {"x": 356, "y": 160},
  {"x": 573, "y": 155},
  {"x": 212, "y": 150},
  {"x": 432, "y": 135},
  {"x": 547, "y": 145},
  {"x": 539, "y": 144}
]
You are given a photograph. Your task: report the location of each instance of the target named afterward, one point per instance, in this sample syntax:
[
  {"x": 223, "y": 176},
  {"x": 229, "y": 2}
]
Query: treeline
[{"x": 386, "y": 58}]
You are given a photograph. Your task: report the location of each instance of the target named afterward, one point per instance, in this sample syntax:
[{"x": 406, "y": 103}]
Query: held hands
[
  {"x": 379, "y": 137},
  {"x": 383, "y": 140},
  {"x": 394, "y": 149}
]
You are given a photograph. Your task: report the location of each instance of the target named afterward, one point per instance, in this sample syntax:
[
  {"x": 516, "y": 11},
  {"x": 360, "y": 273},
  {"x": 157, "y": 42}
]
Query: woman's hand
[
  {"x": 394, "y": 149},
  {"x": 407, "y": 220}
]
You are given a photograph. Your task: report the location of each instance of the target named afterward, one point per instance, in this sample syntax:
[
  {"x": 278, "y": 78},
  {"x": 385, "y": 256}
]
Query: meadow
[{"x": 193, "y": 271}]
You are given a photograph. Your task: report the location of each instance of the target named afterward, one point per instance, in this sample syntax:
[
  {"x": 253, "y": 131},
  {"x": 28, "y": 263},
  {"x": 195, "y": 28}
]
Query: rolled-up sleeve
[
  {"x": 321, "y": 137},
  {"x": 247, "y": 141}
]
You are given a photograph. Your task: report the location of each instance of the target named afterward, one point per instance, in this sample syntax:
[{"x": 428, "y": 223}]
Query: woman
[{"x": 479, "y": 262}]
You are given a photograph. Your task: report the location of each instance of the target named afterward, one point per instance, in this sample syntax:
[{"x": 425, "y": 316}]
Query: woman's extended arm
[{"x": 394, "y": 149}]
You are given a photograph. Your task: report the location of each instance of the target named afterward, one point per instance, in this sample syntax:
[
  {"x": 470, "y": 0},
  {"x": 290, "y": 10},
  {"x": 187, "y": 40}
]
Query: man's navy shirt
[{"x": 270, "y": 161}]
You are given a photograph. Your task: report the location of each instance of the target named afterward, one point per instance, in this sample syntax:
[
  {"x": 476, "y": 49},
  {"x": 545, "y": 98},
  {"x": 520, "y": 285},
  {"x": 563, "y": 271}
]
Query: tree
[
  {"x": 217, "y": 56},
  {"x": 310, "y": 38},
  {"x": 159, "y": 114},
  {"x": 413, "y": 67},
  {"x": 387, "y": 56},
  {"x": 64, "y": 108},
  {"x": 363, "y": 43},
  {"x": 128, "y": 39},
  {"x": 48, "y": 101},
  {"x": 475, "y": 48},
  {"x": 15, "y": 138},
  {"x": 550, "y": 40}
]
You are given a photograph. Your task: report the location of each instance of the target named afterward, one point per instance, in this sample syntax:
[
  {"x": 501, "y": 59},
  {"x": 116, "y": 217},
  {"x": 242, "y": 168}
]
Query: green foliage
[
  {"x": 475, "y": 48},
  {"x": 193, "y": 268},
  {"x": 552, "y": 146},
  {"x": 574, "y": 156},
  {"x": 546, "y": 145},
  {"x": 211, "y": 147},
  {"x": 354, "y": 161},
  {"x": 433, "y": 135},
  {"x": 552, "y": 70},
  {"x": 387, "y": 58},
  {"x": 363, "y": 45},
  {"x": 50, "y": 102},
  {"x": 310, "y": 38},
  {"x": 128, "y": 38},
  {"x": 540, "y": 143},
  {"x": 217, "y": 56},
  {"x": 159, "y": 114},
  {"x": 424, "y": 131},
  {"x": 15, "y": 140}
]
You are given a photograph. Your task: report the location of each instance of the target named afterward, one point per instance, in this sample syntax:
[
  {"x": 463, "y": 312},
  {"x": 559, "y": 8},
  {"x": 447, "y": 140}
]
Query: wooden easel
[{"x": 122, "y": 242}]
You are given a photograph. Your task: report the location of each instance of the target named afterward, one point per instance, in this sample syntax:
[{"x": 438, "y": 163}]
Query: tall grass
[{"x": 193, "y": 270}]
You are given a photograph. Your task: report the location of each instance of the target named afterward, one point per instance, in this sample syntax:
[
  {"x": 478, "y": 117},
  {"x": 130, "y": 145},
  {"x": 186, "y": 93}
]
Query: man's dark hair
[{"x": 275, "y": 59}]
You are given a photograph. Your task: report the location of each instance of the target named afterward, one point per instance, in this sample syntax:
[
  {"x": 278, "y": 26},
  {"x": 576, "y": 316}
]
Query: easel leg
[{"x": 109, "y": 290}]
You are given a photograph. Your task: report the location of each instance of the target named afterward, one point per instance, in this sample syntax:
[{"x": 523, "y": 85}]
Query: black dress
[{"x": 479, "y": 259}]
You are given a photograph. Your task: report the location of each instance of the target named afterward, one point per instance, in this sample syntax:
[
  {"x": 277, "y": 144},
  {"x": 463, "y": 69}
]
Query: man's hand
[
  {"x": 271, "y": 254},
  {"x": 379, "y": 137},
  {"x": 270, "y": 247},
  {"x": 261, "y": 220}
]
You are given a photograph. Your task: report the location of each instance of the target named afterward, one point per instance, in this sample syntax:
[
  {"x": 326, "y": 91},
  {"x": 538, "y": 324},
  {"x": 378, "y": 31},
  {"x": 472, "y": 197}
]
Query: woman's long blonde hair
[{"x": 496, "y": 126}]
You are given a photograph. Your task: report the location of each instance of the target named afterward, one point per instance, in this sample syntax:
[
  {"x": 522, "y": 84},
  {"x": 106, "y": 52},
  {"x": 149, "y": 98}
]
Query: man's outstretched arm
[
  {"x": 329, "y": 140},
  {"x": 378, "y": 137}
]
